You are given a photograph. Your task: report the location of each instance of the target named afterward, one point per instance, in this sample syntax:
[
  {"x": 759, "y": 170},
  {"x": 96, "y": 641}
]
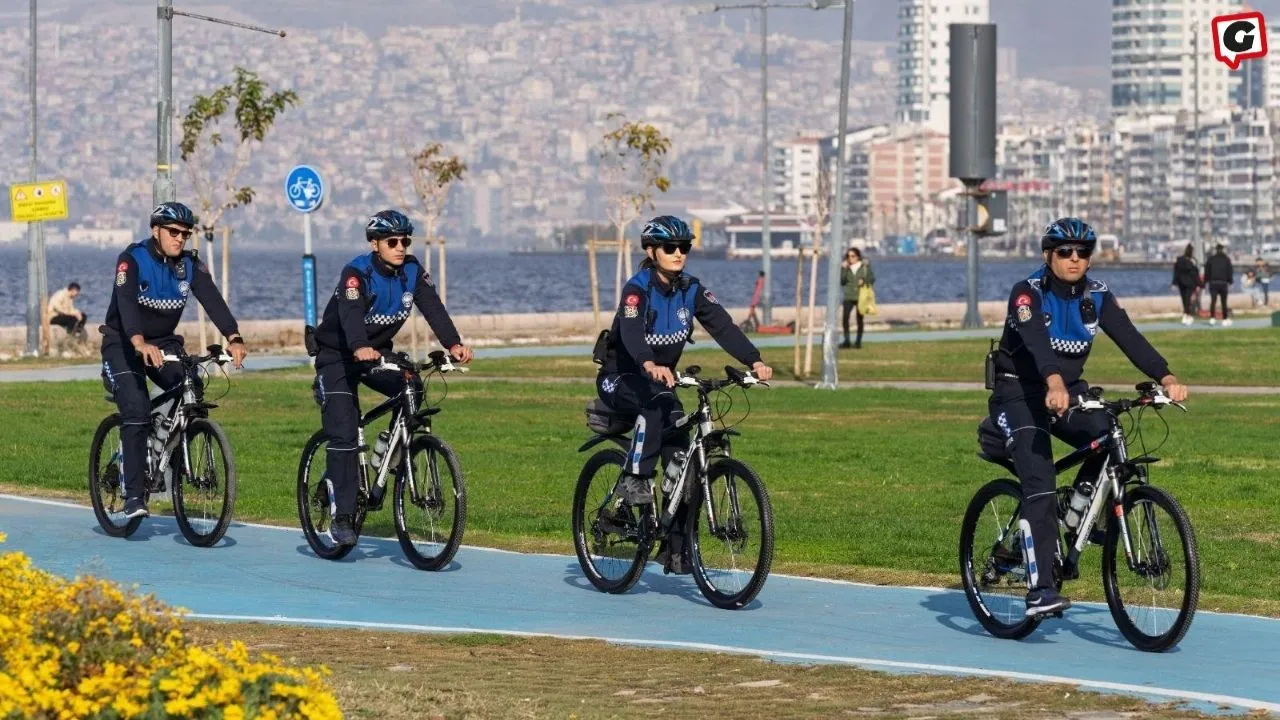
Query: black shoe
[
  {"x": 135, "y": 508},
  {"x": 376, "y": 495},
  {"x": 341, "y": 531},
  {"x": 857, "y": 345},
  {"x": 1045, "y": 601},
  {"x": 634, "y": 489},
  {"x": 846, "y": 344},
  {"x": 674, "y": 563}
]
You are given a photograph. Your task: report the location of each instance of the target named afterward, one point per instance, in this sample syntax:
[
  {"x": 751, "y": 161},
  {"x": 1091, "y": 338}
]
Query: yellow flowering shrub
[{"x": 87, "y": 649}]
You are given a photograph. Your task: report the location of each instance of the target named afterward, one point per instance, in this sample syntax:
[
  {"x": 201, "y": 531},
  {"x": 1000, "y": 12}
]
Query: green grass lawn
[
  {"x": 866, "y": 484},
  {"x": 1235, "y": 357}
]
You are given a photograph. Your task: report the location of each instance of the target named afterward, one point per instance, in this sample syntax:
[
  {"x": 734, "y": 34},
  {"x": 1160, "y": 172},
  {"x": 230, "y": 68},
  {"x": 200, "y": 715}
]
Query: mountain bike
[
  {"x": 184, "y": 450},
  {"x": 423, "y": 501},
  {"x": 729, "y": 547},
  {"x": 1118, "y": 510}
]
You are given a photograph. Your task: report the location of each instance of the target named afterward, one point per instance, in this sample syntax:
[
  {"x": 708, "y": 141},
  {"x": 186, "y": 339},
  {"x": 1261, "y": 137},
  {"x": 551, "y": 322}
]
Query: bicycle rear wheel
[
  {"x": 992, "y": 567},
  {"x": 315, "y": 504},
  {"x": 204, "y": 500},
  {"x": 106, "y": 477},
  {"x": 611, "y": 538},
  {"x": 731, "y": 558},
  {"x": 431, "y": 512},
  {"x": 1153, "y": 602}
]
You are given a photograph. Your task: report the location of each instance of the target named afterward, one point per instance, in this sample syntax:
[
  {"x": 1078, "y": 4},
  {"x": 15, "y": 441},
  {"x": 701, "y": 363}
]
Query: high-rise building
[
  {"x": 1157, "y": 46},
  {"x": 795, "y": 175},
  {"x": 924, "y": 56}
]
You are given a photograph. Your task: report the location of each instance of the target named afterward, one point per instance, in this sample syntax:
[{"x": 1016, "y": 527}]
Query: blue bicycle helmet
[
  {"x": 387, "y": 223},
  {"x": 1068, "y": 231},
  {"x": 174, "y": 213},
  {"x": 665, "y": 229}
]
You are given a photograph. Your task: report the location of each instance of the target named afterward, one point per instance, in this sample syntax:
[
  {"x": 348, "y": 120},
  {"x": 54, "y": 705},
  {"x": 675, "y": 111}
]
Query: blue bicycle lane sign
[{"x": 304, "y": 189}]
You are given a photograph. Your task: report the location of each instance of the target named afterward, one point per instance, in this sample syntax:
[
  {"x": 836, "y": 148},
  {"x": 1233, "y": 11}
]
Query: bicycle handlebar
[
  {"x": 400, "y": 361},
  {"x": 733, "y": 377},
  {"x": 1149, "y": 395},
  {"x": 215, "y": 354}
]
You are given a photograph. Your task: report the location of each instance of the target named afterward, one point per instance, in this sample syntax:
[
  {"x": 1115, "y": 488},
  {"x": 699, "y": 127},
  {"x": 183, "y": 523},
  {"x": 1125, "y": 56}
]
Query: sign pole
[
  {"x": 304, "y": 189},
  {"x": 308, "y": 273},
  {"x": 34, "y": 245}
]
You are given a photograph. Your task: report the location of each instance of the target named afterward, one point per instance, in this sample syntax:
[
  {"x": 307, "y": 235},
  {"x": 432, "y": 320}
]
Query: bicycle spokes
[
  {"x": 729, "y": 533},
  {"x": 613, "y": 528},
  {"x": 202, "y": 469},
  {"x": 1151, "y": 580},
  {"x": 998, "y": 565}
]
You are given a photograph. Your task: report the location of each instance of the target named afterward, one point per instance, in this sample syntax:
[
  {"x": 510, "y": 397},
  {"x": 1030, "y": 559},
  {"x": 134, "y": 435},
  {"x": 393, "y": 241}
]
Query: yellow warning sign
[{"x": 34, "y": 202}]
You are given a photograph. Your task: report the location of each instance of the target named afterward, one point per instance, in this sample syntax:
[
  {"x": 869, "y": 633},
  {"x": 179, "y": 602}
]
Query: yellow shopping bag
[{"x": 866, "y": 300}]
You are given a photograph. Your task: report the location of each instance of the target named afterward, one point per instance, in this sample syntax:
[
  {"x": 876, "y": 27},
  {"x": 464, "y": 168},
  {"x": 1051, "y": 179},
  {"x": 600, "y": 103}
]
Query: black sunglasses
[
  {"x": 670, "y": 248},
  {"x": 177, "y": 232},
  {"x": 1065, "y": 252},
  {"x": 395, "y": 242}
]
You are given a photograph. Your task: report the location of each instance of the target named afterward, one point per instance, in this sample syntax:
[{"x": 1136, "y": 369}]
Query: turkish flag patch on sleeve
[
  {"x": 1023, "y": 299},
  {"x": 353, "y": 282}
]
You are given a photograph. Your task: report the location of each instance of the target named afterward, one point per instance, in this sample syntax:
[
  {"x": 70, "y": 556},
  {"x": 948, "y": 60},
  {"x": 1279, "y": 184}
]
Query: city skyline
[{"x": 364, "y": 97}]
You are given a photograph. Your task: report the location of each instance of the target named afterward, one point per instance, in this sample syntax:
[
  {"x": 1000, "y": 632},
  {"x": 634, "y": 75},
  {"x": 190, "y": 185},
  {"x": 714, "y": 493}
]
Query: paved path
[{"x": 269, "y": 574}]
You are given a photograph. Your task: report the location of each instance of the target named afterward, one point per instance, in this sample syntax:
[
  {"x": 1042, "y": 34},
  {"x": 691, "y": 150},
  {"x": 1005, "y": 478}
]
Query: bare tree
[
  {"x": 631, "y": 154},
  {"x": 818, "y": 220},
  {"x": 213, "y": 174},
  {"x": 433, "y": 175}
]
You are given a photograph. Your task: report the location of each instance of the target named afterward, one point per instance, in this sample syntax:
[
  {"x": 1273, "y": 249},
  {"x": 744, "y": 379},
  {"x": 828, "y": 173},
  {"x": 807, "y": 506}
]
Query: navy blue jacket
[
  {"x": 1051, "y": 326},
  {"x": 151, "y": 291},
  {"x": 372, "y": 302},
  {"x": 654, "y": 322}
]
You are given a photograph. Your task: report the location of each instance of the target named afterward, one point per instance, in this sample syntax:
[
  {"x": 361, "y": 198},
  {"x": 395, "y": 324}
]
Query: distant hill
[{"x": 1067, "y": 41}]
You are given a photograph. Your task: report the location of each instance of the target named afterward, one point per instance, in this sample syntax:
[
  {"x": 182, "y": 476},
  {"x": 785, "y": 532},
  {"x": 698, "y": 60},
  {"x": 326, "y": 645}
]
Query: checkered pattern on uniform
[
  {"x": 159, "y": 304},
  {"x": 1069, "y": 347},
  {"x": 386, "y": 319},
  {"x": 673, "y": 339}
]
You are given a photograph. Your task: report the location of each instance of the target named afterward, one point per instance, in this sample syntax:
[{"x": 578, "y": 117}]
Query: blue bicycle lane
[{"x": 1227, "y": 663}]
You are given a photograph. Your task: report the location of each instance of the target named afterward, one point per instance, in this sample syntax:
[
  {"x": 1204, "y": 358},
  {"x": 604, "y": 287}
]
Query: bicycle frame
[
  {"x": 405, "y": 422},
  {"x": 1109, "y": 487}
]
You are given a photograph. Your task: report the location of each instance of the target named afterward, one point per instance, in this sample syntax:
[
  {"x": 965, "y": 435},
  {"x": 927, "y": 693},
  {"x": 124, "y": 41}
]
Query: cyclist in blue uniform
[
  {"x": 653, "y": 322},
  {"x": 375, "y": 296},
  {"x": 1052, "y": 319},
  {"x": 154, "y": 278}
]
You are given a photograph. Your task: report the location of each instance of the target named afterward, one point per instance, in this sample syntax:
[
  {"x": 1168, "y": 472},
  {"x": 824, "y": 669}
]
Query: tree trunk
[
  {"x": 413, "y": 337},
  {"x": 204, "y": 338},
  {"x": 625, "y": 248},
  {"x": 443, "y": 282},
  {"x": 799, "y": 287},
  {"x": 226, "y": 265},
  {"x": 813, "y": 297},
  {"x": 594, "y": 280},
  {"x": 426, "y": 248},
  {"x": 617, "y": 269}
]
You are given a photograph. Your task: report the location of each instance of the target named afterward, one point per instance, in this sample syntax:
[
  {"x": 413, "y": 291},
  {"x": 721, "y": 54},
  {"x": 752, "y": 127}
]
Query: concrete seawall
[{"x": 573, "y": 327}]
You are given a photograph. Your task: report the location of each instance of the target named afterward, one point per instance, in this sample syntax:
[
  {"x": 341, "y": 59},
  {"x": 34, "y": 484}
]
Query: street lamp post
[
  {"x": 766, "y": 294},
  {"x": 164, "y": 189},
  {"x": 35, "y": 235},
  {"x": 829, "y": 380}
]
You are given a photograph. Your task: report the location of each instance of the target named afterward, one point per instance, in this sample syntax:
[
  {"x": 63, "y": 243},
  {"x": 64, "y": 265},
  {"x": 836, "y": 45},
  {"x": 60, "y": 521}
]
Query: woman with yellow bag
[{"x": 857, "y": 279}]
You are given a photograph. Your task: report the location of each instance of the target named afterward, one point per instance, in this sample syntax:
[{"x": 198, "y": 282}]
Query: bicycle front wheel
[
  {"x": 730, "y": 535},
  {"x": 106, "y": 468},
  {"x": 204, "y": 498},
  {"x": 431, "y": 511},
  {"x": 1154, "y": 597},
  {"x": 611, "y": 538}
]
